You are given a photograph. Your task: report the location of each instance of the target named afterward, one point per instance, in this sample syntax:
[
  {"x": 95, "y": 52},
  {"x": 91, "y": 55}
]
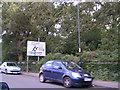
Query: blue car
[{"x": 68, "y": 73}]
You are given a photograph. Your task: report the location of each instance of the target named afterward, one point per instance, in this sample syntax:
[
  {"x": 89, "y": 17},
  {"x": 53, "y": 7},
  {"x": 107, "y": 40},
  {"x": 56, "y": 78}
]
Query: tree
[
  {"x": 28, "y": 21},
  {"x": 17, "y": 23}
]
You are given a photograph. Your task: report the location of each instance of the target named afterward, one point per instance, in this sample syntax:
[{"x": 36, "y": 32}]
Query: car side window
[{"x": 57, "y": 65}]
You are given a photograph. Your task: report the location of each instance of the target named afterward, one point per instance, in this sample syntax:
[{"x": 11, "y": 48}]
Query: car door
[
  {"x": 48, "y": 70},
  {"x": 57, "y": 71}
]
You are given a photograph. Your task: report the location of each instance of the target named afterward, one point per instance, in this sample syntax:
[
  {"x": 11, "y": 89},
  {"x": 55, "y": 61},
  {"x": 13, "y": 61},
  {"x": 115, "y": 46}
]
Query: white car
[{"x": 10, "y": 67}]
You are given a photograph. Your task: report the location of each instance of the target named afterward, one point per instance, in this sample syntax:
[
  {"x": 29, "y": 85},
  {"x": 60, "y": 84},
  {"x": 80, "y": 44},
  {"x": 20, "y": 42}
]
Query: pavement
[{"x": 110, "y": 84}]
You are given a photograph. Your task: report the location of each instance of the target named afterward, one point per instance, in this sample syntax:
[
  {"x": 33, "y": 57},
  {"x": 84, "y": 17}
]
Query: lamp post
[
  {"x": 78, "y": 12},
  {"x": 38, "y": 56}
]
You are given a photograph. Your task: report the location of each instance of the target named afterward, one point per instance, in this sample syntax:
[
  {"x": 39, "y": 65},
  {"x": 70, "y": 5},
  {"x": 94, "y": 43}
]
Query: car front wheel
[
  {"x": 41, "y": 78},
  {"x": 67, "y": 82},
  {"x": 5, "y": 71}
]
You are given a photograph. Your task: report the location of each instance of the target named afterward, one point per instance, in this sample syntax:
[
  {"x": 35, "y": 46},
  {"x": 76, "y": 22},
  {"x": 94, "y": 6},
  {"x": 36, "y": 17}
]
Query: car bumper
[
  {"x": 14, "y": 72},
  {"x": 82, "y": 82}
]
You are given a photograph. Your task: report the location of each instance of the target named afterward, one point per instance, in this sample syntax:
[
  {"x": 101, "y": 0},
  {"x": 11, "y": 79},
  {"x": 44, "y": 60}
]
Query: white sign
[{"x": 35, "y": 48}]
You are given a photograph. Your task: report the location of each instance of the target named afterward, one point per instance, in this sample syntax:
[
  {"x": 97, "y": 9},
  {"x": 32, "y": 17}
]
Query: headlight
[
  {"x": 9, "y": 68},
  {"x": 76, "y": 75},
  {"x": 19, "y": 68}
]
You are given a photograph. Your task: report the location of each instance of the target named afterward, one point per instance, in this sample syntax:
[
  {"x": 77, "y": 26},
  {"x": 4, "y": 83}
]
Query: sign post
[
  {"x": 27, "y": 64},
  {"x": 35, "y": 48},
  {"x": 38, "y": 56}
]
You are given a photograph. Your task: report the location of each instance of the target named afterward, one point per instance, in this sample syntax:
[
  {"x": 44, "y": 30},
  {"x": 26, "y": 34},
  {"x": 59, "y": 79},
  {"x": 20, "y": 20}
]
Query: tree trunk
[
  {"x": 20, "y": 51},
  {"x": 20, "y": 56}
]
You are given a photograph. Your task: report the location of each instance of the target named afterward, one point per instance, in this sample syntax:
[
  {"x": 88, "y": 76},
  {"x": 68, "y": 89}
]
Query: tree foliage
[{"x": 99, "y": 24}]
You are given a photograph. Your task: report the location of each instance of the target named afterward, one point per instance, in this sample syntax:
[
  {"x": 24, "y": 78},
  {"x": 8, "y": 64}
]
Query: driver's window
[{"x": 57, "y": 65}]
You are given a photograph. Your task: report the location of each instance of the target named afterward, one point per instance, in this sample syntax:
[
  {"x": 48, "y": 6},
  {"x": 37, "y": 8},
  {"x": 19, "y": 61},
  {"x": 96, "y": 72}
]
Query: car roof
[
  {"x": 8, "y": 62},
  {"x": 59, "y": 60},
  {"x": 56, "y": 60}
]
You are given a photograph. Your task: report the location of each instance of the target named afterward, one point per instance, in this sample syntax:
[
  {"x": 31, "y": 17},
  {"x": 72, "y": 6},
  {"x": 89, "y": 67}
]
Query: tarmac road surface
[{"x": 23, "y": 81}]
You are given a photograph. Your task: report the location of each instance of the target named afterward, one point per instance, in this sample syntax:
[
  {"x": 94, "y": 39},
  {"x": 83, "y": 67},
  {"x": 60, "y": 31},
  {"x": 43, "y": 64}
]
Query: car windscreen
[
  {"x": 11, "y": 64},
  {"x": 71, "y": 65}
]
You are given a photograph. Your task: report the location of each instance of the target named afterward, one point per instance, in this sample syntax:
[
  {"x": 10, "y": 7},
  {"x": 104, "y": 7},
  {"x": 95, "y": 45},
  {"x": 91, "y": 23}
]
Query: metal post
[
  {"x": 78, "y": 11},
  {"x": 38, "y": 56},
  {"x": 27, "y": 64}
]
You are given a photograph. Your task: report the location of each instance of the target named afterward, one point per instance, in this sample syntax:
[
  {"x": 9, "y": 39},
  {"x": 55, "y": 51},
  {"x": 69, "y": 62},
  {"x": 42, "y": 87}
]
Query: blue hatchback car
[{"x": 68, "y": 73}]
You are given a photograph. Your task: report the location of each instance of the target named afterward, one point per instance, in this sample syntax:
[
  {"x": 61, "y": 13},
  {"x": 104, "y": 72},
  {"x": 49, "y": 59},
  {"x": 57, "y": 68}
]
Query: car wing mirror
[
  {"x": 59, "y": 67},
  {"x": 4, "y": 86}
]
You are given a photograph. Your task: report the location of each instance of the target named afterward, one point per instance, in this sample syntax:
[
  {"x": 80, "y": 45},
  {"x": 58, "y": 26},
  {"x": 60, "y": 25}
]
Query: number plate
[
  {"x": 15, "y": 72},
  {"x": 87, "y": 79}
]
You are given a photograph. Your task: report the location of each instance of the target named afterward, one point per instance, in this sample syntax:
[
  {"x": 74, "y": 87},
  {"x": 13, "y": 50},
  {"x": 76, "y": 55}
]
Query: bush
[
  {"x": 59, "y": 56},
  {"x": 33, "y": 66},
  {"x": 89, "y": 56},
  {"x": 70, "y": 58},
  {"x": 103, "y": 71},
  {"x": 100, "y": 56},
  {"x": 51, "y": 56},
  {"x": 99, "y": 71}
]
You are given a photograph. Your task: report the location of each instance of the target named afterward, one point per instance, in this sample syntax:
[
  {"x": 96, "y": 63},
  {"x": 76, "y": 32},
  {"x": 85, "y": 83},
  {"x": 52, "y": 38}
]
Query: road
[{"x": 23, "y": 81}]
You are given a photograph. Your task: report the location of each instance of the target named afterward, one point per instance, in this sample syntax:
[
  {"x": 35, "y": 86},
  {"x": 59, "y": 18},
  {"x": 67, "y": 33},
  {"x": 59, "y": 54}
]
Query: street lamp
[{"x": 78, "y": 12}]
